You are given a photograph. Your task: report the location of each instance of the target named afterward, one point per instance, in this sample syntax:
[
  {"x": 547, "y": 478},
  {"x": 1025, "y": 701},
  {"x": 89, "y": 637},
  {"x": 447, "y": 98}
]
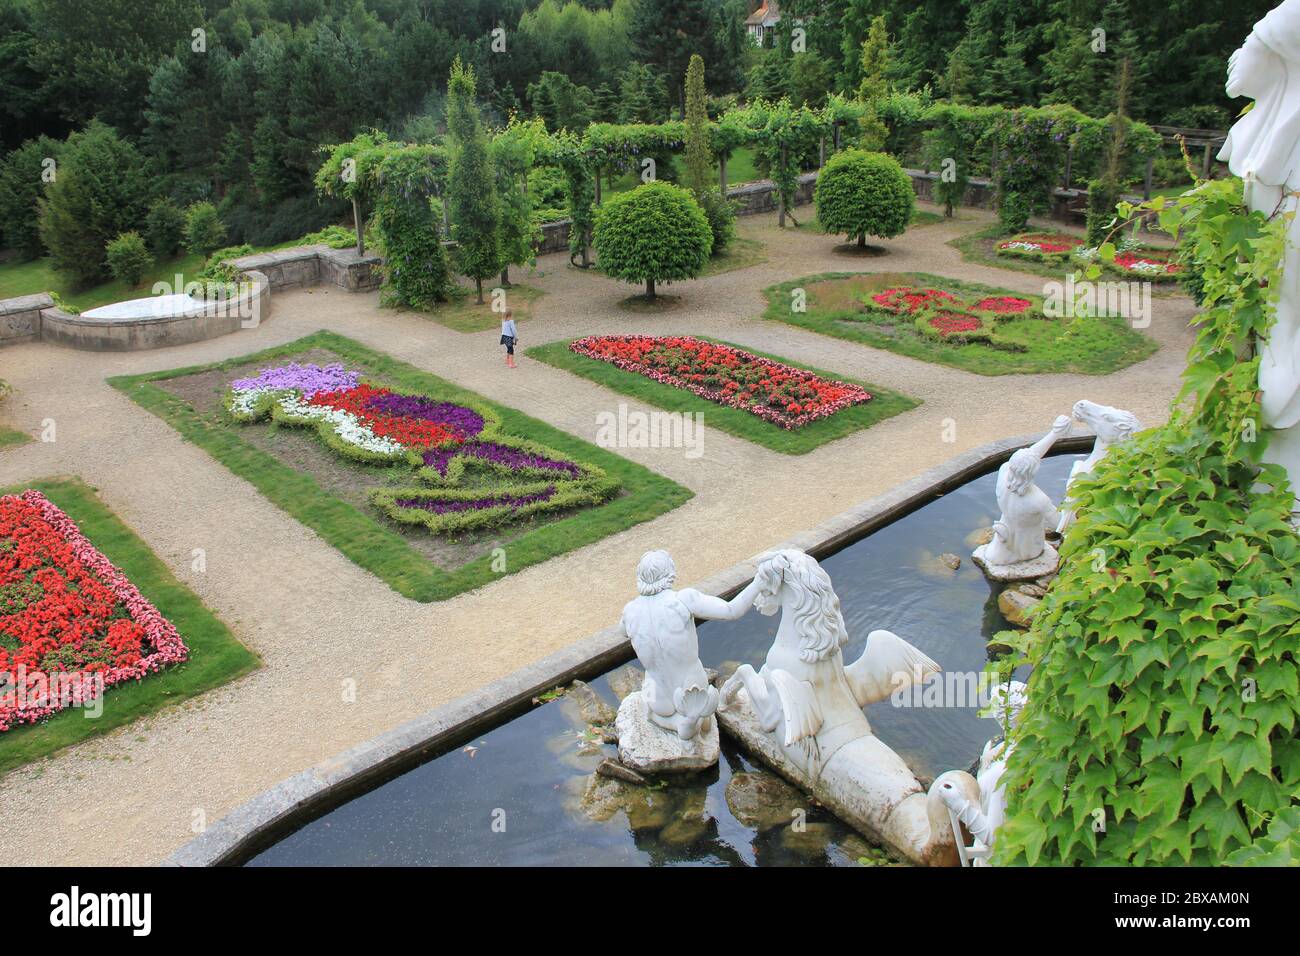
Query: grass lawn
[
  {"x": 741, "y": 253},
  {"x": 28, "y": 278},
  {"x": 734, "y": 421},
  {"x": 1090, "y": 346},
  {"x": 11, "y": 436},
  {"x": 981, "y": 246},
  {"x": 464, "y": 314},
  {"x": 364, "y": 536},
  {"x": 215, "y": 655}
]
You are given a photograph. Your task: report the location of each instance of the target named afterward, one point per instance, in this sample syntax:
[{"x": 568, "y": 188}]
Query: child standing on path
[{"x": 509, "y": 336}]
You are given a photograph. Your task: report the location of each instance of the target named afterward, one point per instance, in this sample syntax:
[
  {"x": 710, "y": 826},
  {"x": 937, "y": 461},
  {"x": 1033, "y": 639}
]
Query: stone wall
[
  {"x": 757, "y": 197},
  {"x": 34, "y": 317},
  {"x": 20, "y": 318},
  {"x": 304, "y": 266}
]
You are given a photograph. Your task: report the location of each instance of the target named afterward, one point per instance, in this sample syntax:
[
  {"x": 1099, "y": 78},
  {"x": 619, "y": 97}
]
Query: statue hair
[
  {"x": 654, "y": 573},
  {"x": 818, "y": 620}
]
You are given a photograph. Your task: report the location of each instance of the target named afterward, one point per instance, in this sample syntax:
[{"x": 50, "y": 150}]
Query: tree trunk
[
  {"x": 650, "y": 289},
  {"x": 722, "y": 175},
  {"x": 479, "y": 284},
  {"x": 597, "y": 177},
  {"x": 862, "y": 240},
  {"x": 780, "y": 219},
  {"x": 505, "y": 277},
  {"x": 356, "y": 221}
]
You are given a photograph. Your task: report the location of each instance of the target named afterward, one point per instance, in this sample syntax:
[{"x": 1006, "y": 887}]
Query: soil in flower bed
[
  {"x": 385, "y": 501},
  {"x": 351, "y": 481},
  {"x": 1021, "y": 342}
]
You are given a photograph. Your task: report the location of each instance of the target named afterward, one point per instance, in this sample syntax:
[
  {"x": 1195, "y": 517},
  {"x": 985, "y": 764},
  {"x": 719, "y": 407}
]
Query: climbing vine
[{"x": 1161, "y": 725}]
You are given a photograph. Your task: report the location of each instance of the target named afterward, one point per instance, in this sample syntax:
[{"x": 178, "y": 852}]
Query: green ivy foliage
[
  {"x": 864, "y": 194},
  {"x": 1164, "y": 693},
  {"x": 415, "y": 266},
  {"x": 657, "y": 232}
]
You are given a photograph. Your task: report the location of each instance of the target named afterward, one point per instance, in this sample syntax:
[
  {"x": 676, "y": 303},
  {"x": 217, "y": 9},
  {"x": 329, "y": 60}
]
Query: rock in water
[
  {"x": 648, "y": 748},
  {"x": 1017, "y": 607},
  {"x": 594, "y": 709},
  {"x": 616, "y": 771},
  {"x": 626, "y": 680},
  {"x": 762, "y": 801},
  {"x": 951, "y": 560}
]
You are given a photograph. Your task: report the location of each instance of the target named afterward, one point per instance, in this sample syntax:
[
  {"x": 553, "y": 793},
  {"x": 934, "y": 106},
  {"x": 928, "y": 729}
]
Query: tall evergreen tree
[{"x": 471, "y": 182}]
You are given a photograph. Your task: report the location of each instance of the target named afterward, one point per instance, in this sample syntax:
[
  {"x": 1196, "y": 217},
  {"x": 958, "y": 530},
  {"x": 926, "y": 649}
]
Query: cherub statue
[
  {"x": 1111, "y": 426},
  {"x": 661, "y": 625},
  {"x": 1027, "y": 512}
]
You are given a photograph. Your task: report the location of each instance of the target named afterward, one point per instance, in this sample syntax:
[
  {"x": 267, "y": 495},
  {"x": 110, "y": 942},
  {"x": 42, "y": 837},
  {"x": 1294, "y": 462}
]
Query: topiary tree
[
  {"x": 717, "y": 208},
  {"x": 471, "y": 183},
  {"x": 128, "y": 258},
  {"x": 204, "y": 230},
  {"x": 164, "y": 228},
  {"x": 655, "y": 233},
  {"x": 100, "y": 190},
  {"x": 864, "y": 194}
]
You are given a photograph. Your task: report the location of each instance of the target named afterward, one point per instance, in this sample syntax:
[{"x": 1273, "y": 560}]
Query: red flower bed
[
  {"x": 948, "y": 323},
  {"x": 786, "y": 396},
  {"x": 1147, "y": 262},
  {"x": 1003, "y": 304},
  {"x": 1041, "y": 243},
  {"x": 405, "y": 429},
  {"x": 71, "y": 624},
  {"x": 908, "y": 299}
]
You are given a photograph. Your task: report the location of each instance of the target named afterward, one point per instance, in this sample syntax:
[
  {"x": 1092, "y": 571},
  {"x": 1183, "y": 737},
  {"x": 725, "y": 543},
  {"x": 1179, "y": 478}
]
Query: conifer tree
[{"x": 471, "y": 183}]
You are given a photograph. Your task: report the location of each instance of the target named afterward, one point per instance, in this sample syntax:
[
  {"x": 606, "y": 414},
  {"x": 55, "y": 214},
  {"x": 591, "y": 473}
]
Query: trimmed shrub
[
  {"x": 864, "y": 194},
  {"x": 657, "y": 232},
  {"x": 1102, "y": 197},
  {"x": 721, "y": 214},
  {"x": 204, "y": 230},
  {"x": 415, "y": 265},
  {"x": 164, "y": 228},
  {"x": 128, "y": 258}
]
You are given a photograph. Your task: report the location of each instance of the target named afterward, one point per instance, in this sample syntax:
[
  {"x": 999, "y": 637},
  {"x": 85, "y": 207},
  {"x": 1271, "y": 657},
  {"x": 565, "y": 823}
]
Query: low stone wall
[
  {"x": 761, "y": 196},
  {"x": 247, "y": 310},
  {"x": 982, "y": 194},
  {"x": 20, "y": 318},
  {"x": 304, "y": 266}
]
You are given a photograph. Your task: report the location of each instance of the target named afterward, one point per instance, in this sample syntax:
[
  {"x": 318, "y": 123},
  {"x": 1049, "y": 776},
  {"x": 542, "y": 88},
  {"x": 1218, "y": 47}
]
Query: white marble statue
[
  {"x": 1019, "y": 548},
  {"x": 675, "y": 695},
  {"x": 1111, "y": 426},
  {"x": 1263, "y": 148},
  {"x": 982, "y": 808},
  {"x": 801, "y": 713}
]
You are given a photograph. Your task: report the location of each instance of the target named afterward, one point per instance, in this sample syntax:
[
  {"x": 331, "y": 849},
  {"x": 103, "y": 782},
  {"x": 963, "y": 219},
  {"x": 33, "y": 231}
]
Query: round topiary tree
[
  {"x": 655, "y": 233},
  {"x": 864, "y": 194},
  {"x": 128, "y": 258}
]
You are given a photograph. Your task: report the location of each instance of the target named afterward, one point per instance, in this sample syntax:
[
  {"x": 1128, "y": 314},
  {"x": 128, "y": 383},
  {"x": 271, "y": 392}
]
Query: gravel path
[{"x": 318, "y": 620}]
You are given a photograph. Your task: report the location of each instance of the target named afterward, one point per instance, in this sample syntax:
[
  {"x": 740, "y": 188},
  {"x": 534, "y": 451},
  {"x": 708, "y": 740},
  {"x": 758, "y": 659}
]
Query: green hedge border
[
  {"x": 367, "y": 540},
  {"x": 216, "y": 656},
  {"x": 734, "y": 421}
]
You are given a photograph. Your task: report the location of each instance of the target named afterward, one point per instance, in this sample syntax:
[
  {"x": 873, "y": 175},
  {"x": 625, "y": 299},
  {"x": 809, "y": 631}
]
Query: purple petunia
[
  {"x": 512, "y": 458},
  {"x": 307, "y": 379},
  {"x": 465, "y": 421},
  {"x": 514, "y": 502}
]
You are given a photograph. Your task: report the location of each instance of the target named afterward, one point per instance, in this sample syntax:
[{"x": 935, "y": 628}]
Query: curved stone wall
[{"x": 247, "y": 310}]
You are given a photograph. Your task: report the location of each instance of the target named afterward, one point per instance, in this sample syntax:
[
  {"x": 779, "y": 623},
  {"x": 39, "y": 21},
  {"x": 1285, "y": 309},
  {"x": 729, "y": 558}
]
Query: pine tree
[
  {"x": 699, "y": 158},
  {"x": 873, "y": 63},
  {"x": 606, "y": 106},
  {"x": 471, "y": 182}
]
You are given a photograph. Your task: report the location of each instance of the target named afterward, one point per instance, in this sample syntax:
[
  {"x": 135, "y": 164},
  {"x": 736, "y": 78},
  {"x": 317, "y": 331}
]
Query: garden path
[{"x": 317, "y": 619}]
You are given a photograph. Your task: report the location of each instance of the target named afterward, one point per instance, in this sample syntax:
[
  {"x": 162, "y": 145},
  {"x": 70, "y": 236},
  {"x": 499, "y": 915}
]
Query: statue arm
[
  {"x": 710, "y": 608},
  {"x": 1044, "y": 444}
]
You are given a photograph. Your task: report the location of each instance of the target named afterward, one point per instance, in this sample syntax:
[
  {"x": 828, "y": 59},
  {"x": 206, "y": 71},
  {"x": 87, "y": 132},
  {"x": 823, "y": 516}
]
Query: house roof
[{"x": 766, "y": 15}]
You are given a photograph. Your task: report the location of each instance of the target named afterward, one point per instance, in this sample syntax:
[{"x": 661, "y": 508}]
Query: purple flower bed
[
  {"x": 476, "y": 504},
  {"x": 512, "y": 458},
  {"x": 308, "y": 379},
  {"x": 465, "y": 421}
]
